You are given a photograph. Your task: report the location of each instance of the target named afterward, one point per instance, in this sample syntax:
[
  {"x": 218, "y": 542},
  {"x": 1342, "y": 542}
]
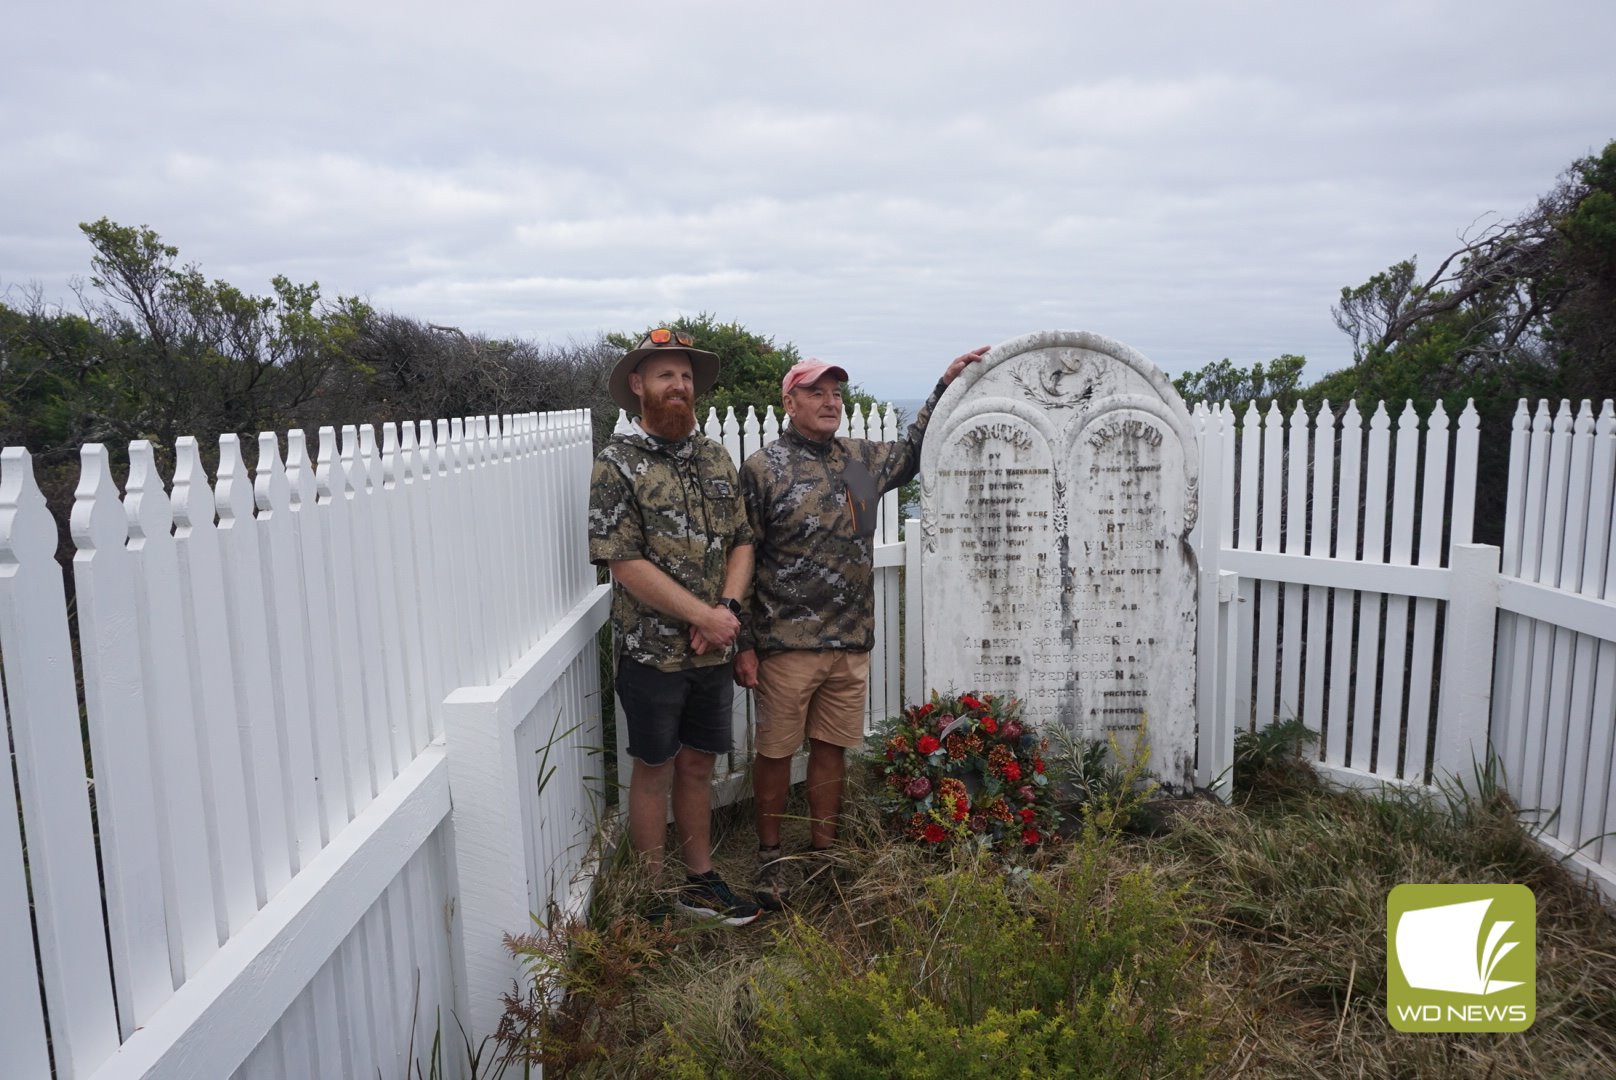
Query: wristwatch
[{"x": 733, "y": 604}]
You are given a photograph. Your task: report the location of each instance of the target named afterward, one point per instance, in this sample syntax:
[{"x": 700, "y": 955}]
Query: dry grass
[
  {"x": 1293, "y": 889},
  {"x": 1283, "y": 897}
]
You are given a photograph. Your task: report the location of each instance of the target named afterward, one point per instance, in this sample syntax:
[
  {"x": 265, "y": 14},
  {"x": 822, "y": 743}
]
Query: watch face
[{"x": 733, "y": 604}]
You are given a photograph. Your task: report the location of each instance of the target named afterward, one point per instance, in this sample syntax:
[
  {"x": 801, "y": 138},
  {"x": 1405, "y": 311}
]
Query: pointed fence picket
[
  {"x": 1296, "y": 474},
  {"x": 247, "y": 640},
  {"x": 232, "y": 849},
  {"x": 1338, "y": 720},
  {"x": 1321, "y": 468},
  {"x": 1268, "y": 525},
  {"x": 116, "y": 713}
]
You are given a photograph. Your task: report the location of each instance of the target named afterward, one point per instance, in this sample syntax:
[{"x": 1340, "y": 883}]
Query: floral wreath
[{"x": 966, "y": 769}]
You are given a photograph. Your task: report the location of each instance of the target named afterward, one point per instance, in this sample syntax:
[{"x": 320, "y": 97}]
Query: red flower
[
  {"x": 925, "y": 710},
  {"x": 928, "y": 744},
  {"x": 962, "y": 809},
  {"x": 990, "y": 725},
  {"x": 935, "y": 834},
  {"x": 1012, "y": 770},
  {"x": 1028, "y": 836},
  {"x": 970, "y": 702},
  {"x": 1027, "y": 815},
  {"x": 1038, "y": 765}
]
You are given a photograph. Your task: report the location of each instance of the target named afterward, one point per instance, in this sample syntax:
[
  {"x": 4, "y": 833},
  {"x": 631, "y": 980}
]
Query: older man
[
  {"x": 665, "y": 515},
  {"x": 811, "y": 500}
]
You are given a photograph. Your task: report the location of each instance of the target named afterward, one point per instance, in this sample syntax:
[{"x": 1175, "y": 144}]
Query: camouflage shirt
[
  {"x": 812, "y": 509},
  {"x": 678, "y": 505}
]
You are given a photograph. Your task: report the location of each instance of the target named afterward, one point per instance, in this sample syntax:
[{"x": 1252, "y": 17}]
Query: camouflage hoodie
[
  {"x": 677, "y": 504},
  {"x": 812, "y": 509}
]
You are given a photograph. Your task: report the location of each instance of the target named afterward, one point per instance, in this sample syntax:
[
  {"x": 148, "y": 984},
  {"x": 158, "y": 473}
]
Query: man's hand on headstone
[
  {"x": 960, "y": 361},
  {"x": 746, "y": 669}
]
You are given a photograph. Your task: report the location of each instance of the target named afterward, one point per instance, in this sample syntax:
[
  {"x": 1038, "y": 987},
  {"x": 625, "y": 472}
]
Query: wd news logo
[{"x": 1461, "y": 957}]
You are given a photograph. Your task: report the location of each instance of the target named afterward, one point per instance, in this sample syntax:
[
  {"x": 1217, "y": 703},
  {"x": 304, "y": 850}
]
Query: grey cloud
[{"x": 884, "y": 184}]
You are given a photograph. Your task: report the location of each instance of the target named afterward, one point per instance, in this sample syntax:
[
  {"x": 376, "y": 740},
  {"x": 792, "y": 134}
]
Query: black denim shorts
[{"x": 669, "y": 709}]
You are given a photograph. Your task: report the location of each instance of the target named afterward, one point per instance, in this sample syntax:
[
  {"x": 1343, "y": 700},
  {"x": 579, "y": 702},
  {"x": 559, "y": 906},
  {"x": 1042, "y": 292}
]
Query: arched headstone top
[{"x": 1069, "y": 384}]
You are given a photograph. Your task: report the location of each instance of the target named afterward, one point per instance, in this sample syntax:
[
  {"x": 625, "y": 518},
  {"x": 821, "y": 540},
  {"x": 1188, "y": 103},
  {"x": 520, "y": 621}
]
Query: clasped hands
[{"x": 716, "y": 630}]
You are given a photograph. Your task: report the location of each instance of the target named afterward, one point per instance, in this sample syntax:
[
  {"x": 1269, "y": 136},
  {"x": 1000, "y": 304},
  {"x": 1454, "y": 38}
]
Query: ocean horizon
[{"x": 907, "y": 406}]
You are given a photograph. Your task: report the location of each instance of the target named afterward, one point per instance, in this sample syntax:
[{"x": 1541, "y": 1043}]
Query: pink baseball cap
[{"x": 809, "y": 371}]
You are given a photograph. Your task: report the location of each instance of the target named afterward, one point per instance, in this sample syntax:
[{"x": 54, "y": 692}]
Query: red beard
[{"x": 669, "y": 418}]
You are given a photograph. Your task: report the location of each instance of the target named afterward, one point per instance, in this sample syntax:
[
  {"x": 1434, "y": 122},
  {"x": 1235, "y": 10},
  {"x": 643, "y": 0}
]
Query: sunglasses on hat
[{"x": 662, "y": 336}]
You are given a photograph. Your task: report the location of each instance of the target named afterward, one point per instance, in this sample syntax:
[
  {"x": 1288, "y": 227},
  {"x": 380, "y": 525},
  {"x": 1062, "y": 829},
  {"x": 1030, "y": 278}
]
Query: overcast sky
[{"x": 882, "y": 184}]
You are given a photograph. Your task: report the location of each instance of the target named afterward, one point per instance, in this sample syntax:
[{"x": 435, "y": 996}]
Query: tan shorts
[{"x": 820, "y": 694}]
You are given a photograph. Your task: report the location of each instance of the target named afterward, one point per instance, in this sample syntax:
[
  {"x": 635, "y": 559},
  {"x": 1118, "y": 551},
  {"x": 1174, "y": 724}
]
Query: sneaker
[
  {"x": 772, "y": 870},
  {"x": 705, "y": 896}
]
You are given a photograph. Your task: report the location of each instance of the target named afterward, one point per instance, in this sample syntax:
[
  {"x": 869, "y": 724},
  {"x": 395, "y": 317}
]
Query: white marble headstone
[{"x": 1059, "y": 488}]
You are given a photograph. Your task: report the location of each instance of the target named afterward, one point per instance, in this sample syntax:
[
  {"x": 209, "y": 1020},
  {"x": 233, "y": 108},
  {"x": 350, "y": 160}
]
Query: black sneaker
[{"x": 705, "y": 896}]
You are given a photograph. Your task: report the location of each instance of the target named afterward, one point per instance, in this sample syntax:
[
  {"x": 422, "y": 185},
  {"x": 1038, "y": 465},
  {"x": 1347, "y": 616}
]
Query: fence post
[
  {"x": 489, "y": 847},
  {"x": 1215, "y": 680},
  {"x": 1212, "y": 755},
  {"x": 914, "y": 673},
  {"x": 1465, "y": 696}
]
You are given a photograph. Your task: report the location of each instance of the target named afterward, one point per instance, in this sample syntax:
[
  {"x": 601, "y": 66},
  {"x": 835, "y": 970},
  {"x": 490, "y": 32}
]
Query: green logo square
[{"x": 1461, "y": 957}]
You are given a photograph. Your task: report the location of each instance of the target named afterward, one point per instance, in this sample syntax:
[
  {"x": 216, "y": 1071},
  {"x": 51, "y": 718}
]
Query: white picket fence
[
  {"x": 341, "y": 717},
  {"x": 1326, "y": 596},
  {"x": 342, "y": 721}
]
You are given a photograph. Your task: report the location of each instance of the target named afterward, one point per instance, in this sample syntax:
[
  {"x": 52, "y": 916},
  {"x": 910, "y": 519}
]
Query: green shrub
[
  {"x": 1272, "y": 761},
  {"x": 1069, "y": 971}
]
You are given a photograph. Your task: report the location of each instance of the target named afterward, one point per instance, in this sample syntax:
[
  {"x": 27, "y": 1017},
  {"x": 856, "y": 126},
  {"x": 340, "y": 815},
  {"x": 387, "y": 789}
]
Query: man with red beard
[{"x": 665, "y": 516}]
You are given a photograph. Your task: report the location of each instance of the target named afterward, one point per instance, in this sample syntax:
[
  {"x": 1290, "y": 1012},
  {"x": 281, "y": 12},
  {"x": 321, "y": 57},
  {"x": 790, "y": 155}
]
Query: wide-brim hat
[{"x": 703, "y": 368}]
